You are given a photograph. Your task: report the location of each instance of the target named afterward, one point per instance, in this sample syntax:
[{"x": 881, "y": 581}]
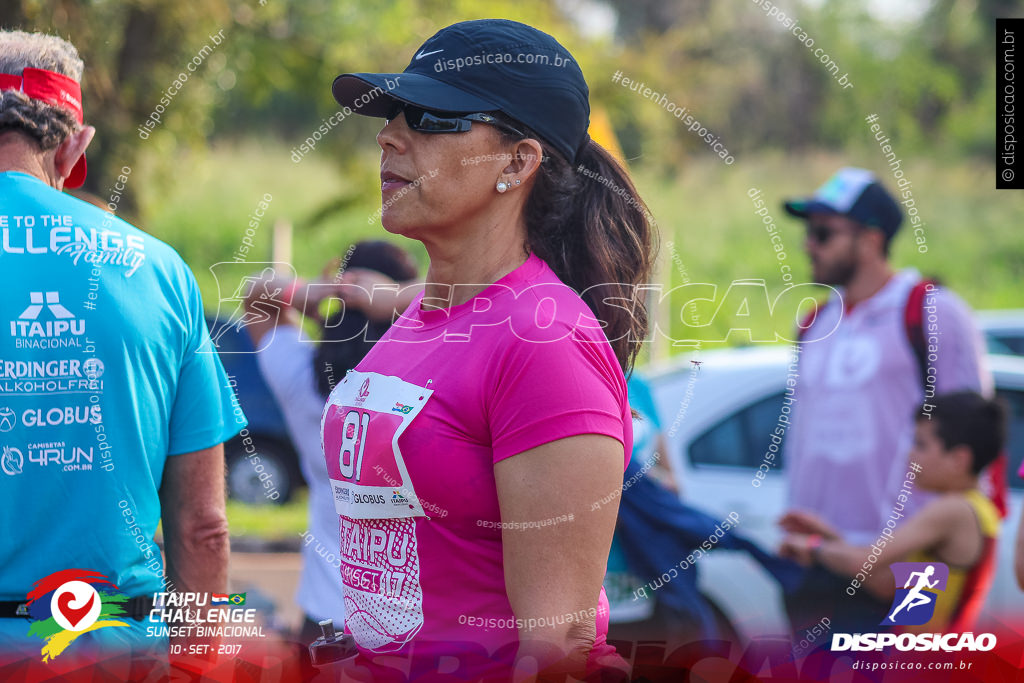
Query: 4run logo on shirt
[
  {"x": 918, "y": 588},
  {"x": 69, "y": 603},
  {"x": 47, "y": 454},
  {"x": 46, "y": 324}
]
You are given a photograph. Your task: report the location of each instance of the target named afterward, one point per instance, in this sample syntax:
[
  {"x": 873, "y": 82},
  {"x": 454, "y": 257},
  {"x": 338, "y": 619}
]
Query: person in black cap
[
  {"x": 300, "y": 375},
  {"x": 467, "y": 449},
  {"x": 878, "y": 349}
]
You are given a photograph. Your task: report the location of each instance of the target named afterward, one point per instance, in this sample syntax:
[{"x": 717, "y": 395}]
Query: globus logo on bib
[
  {"x": 374, "y": 498},
  {"x": 918, "y": 585}
]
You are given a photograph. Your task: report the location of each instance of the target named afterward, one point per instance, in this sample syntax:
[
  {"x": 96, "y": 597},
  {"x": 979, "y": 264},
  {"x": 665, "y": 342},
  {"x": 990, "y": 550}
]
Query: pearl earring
[{"x": 501, "y": 186}]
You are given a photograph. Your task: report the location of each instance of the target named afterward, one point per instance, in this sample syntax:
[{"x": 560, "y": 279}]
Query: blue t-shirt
[
  {"x": 106, "y": 370},
  {"x": 645, "y": 430},
  {"x": 620, "y": 582}
]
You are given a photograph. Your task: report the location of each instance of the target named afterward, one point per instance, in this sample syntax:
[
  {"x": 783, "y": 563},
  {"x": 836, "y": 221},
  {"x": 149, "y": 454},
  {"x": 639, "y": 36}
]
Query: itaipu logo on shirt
[
  {"x": 68, "y": 603},
  {"x": 46, "y": 324}
]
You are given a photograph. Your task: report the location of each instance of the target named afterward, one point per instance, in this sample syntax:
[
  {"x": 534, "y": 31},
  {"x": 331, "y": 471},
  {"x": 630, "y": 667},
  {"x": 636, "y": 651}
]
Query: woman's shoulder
[{"x": 547, "y": 309}]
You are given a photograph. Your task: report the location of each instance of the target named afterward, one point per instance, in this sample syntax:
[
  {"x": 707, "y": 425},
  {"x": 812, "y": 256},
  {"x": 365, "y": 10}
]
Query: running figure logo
[{"x": 917, "y": 588}]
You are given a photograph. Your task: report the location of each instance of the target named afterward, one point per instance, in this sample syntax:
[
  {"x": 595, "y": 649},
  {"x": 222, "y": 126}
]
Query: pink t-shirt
[{"x": 411, "y": 436}]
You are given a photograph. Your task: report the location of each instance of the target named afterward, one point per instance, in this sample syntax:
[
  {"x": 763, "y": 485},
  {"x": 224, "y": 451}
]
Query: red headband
[{"x": 57, "y": 90}]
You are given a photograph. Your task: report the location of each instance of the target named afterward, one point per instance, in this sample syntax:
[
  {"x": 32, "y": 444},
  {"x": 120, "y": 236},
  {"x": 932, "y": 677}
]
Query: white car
[{"x": 718, "y": 415}]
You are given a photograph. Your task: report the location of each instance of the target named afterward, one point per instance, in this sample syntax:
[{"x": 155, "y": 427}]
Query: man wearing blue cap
[{"x": 897, "y": 341}]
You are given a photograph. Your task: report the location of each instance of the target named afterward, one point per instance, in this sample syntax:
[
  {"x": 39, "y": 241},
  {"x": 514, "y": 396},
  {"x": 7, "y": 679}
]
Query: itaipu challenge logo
[{"x": 68, "y": 603}]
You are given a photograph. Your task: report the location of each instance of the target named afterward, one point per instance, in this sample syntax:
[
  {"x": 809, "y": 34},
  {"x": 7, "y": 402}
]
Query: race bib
[
  {"x": 364, "y": 416},
  {"x": 377, "y": 504}
]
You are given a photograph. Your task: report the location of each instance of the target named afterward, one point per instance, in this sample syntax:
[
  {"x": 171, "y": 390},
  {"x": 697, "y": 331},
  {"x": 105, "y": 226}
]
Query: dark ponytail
[{"x": 590, "y": 225}]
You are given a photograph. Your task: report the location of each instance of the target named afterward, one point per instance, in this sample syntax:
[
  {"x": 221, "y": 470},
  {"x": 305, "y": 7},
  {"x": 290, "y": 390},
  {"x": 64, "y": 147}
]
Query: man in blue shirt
[{"x": 113, "y": 407}]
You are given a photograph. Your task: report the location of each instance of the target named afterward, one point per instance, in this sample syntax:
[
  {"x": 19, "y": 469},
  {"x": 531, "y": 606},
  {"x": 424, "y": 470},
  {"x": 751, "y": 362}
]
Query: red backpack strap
[
  {"x": 913, "y": 319},
  {"x": 994, "y": 481}
]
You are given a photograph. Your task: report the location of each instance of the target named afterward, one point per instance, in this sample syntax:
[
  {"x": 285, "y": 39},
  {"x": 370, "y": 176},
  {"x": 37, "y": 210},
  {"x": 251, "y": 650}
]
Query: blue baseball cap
[
  {"x": 487, "y": 65},
  {"x": 856, "y": 194}
]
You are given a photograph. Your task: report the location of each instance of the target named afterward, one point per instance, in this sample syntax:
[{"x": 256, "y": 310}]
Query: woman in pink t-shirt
[{"x": 468, "y": 450}]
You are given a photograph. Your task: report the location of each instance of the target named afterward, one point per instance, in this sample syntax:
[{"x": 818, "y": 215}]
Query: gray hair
[{"x": 46, "y": 124}]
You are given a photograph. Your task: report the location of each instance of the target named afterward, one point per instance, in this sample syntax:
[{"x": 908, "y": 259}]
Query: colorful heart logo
[{"x": 70, "y": 613}]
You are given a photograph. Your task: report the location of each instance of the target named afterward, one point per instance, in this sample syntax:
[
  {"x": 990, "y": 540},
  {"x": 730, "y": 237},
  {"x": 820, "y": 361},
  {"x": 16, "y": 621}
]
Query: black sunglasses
[
  {"x": 427, "y": 121},
  {"x": 821, "y": 233}
]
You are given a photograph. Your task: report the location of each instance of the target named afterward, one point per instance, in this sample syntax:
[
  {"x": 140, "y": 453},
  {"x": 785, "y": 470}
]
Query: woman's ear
[{"x": 526, "y": 155}]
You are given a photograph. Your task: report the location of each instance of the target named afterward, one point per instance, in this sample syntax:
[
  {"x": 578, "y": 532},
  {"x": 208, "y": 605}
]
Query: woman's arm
[
  {"x": 278, "y": 299},
  {"x": 662, "y": 471},
  {"x": 265, "y": 307},
  {"x": 378, "y": 297},
  {"x": 553, "y": 571}
]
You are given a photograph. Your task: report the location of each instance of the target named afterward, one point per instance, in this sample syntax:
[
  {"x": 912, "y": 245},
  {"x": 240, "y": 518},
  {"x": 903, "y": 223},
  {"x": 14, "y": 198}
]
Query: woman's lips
[
  {"x": 391, "y": 181},
  {"x": 389, "y": 185}
]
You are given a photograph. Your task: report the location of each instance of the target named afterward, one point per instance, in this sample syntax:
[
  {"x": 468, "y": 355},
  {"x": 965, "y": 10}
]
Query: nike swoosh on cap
[{"x": 427, "y": 54}]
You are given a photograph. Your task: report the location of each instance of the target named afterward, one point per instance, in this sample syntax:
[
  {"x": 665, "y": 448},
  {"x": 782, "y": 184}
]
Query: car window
[
  {"x": 1015, "y": 434},
  {"x": 741, "y": 439},
  {"x": 1013, "y": 341},
  {"x": 996, "y": 345},
  {"x": 723, "y": 444}
]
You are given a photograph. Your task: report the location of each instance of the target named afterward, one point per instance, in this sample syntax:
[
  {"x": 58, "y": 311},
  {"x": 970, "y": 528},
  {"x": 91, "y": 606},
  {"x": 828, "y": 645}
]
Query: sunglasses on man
[
  {"x": 429, "y": 121},
  {"x": 822, "y": 234}
]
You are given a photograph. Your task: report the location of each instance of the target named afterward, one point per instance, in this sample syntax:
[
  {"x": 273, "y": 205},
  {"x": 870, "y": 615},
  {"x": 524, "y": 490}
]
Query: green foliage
[
  {"x": 133, "y": 51},
  {"x": 270, "y": 522},
  {"x": 706, "y": 213},
  {"x": 205, "y": 212},
  {"x": 740, "y": 72}
]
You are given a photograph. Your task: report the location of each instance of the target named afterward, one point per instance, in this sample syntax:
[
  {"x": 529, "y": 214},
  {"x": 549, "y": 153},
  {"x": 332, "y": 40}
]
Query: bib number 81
[{"x": 353, "y": 442}]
